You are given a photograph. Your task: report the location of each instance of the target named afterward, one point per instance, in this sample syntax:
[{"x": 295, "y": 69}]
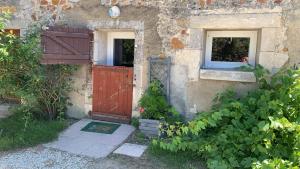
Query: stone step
[{"x": 110, "y": 118}]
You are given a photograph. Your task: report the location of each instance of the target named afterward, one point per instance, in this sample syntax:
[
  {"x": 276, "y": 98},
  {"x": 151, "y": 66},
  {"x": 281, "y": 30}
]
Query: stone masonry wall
[{"x": 177, "y": 28}]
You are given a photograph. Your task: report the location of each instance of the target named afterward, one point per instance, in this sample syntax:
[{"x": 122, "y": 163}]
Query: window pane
[
  {"x": 230, "y": 49},
  {"x": 124, "y": 52}
]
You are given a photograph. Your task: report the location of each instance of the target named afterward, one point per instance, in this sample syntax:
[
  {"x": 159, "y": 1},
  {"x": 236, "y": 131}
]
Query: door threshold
[{"x": 109, "y": 118}]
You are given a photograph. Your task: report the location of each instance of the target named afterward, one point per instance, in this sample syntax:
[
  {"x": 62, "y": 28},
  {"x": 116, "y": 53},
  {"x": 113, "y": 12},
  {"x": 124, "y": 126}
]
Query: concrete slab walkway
[
  {"x": 95, "y": 145},
  {"x": 132, "y": 150}
]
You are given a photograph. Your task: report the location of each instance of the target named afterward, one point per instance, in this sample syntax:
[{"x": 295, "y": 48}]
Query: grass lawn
[{"x": 13, "y": 135}]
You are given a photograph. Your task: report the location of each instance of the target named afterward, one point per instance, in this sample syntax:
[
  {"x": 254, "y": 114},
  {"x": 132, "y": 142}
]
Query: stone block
[
  {"x": 226, "y": 75},
  {"x": 191, "y": 59},
  {"x": 149, "y": 127},
  {"x": 132, "y": 150},
  {"x": 196, "y": 39},
  {"x": 272, "y": 61},
  {"x": 234, "y": 21},
  {"x": 269, "y": 39},
  {"x": 179, "y": 78}
]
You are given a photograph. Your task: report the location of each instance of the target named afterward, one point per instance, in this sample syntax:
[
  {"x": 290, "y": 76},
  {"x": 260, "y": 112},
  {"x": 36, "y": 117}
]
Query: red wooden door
[{"x": 112, "y": 91}]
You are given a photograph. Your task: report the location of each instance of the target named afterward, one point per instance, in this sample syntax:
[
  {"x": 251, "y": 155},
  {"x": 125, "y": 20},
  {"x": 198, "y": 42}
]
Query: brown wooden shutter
[{"x": 65, "y": 45}]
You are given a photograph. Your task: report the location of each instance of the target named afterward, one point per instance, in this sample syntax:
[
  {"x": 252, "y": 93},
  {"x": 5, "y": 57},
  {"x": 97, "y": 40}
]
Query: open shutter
[{"x": 65, "y": 45}]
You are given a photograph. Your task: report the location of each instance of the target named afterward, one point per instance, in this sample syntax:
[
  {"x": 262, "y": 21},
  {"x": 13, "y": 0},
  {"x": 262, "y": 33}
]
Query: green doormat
[{"x": 99, "y": 127}]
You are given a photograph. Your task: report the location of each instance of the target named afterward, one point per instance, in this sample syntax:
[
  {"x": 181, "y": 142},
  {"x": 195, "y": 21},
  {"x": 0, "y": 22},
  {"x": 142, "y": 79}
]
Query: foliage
[
  {"x": 42, "y": 89},
  {"x": 135, "y": 122},
  {"x": 154, "y": 105},
  {"x": 259, "y": 130},
  {"x": 179, "y": 160},
  {"x": 139, "y": 138},
  {"x": 13, "y": 135},
  {"x": 274, "y": 164}
]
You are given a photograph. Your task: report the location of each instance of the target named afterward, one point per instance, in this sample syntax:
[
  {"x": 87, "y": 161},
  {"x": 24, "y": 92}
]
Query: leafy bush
[
  {"x": 135, "y": 122},
  {"x": 42, "y": 89},
  {"x": 259, "y": 130},
  {"x": 154, "y": 105}
]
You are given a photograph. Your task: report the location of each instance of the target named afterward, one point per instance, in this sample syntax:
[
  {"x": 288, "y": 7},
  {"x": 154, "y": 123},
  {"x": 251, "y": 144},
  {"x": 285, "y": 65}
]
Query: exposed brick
[
  {"x": 176, "y": 44},
  {"x": 277, "y": 1},
  {"x": 114, "y": 2},
  {"x": 8, "y": 9},
  {"x": 202, "y": 3},
  {"x": 54, "y": 16},
  {"x": 285, "y": 49},
  {"x": 51, "y": 8},
  {"x": 262, "y": 1},
  {"x": 208, "y": 2},
  {"x": 66, "y": 7},
  {"x": 162, "y": 55},
  {"x": 182, "y": 22},
  {"x": 34, "y": 17},
  {"x": 184, "y": 32},
  {"x": 44, "y": 2},
  {"x": 55, "y": 2}
]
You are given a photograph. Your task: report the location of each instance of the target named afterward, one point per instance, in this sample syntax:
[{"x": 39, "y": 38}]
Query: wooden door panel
[
  {"x": 112, "y": 91},
  {"x": 65, "y": 45}
]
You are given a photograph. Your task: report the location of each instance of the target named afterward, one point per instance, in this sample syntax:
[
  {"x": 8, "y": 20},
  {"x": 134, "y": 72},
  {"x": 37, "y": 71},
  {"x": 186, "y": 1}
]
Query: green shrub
[
  {"x": 274, "y": 164},
  {"x": 259, "y": 130},
  {"x": 154, "y": 105},
  {"x": 42, "y": 89},
  {"x": 135, "y": 122}
]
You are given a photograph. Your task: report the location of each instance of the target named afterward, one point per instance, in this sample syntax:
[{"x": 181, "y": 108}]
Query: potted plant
[{"x": 155, "y": 109}]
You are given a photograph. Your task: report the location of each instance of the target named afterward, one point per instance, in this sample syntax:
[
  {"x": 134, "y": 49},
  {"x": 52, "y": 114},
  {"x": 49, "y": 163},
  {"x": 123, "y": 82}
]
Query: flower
[
  {"x": 245, "y": 59},
  {"x": 142, "y": 110}
]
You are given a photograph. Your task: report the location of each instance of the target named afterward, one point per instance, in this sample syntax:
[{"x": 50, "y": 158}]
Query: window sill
[{"x": 227, "y": 75}]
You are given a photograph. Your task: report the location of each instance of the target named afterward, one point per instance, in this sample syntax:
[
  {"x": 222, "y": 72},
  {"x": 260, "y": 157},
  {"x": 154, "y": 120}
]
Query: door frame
[
  {"x": 110, "y": 44},
  {"x": 104, "y": 42}
]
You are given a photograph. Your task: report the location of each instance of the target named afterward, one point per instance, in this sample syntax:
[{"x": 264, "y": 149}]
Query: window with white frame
[{"x": 230, "y": 49}]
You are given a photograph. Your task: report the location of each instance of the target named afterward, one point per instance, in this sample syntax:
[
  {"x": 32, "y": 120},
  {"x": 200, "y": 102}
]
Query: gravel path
[{"x": 42, "y": 158}]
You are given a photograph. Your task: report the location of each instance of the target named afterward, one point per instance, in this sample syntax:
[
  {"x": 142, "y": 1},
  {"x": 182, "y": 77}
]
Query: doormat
[{"x": 99, "y": 127}]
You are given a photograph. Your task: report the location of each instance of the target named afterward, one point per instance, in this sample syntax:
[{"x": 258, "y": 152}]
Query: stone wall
[
  {"x": 175, "y": 28},
  {"x": 293, "y": 32}
]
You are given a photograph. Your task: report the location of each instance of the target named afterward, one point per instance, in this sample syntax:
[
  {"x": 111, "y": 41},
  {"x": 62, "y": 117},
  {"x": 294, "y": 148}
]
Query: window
[
  {"x": 120, "y": 49},
  {"x": 123, "y": 52},
  {"x": 230, "y": 49}
]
